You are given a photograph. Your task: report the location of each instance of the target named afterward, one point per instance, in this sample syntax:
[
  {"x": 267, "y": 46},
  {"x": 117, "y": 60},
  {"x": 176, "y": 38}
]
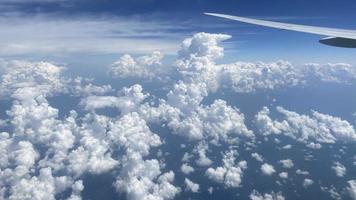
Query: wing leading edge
[{"x": 335, "y": 37}]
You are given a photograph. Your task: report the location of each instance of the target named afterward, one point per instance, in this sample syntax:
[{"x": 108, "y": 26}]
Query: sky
[
  {"x": 153, "y": 100},
  {"x": 108, "y": 28}
]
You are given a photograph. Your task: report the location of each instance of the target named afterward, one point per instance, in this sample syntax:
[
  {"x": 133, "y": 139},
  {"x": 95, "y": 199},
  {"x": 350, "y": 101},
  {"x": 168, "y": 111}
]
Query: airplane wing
[{"x": 330, "y": 32}]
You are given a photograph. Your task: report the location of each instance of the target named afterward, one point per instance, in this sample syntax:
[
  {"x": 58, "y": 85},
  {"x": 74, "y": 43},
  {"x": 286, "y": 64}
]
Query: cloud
[
  {"x": 138, "y": 175},
  {"x": 267, "y": 169},
  {"x": 46, "y": 34},
  {"x": 186, "y": 169},
  {"x": 283, "y": 175},
  {"x": 41, "y": 187},
  {"x": 129, "y": 99},
  {"x": 249, "y": 77},
  {"x": 74, "y": 145},
  {"x": 301, "y": 172},
  {"x": 287, "y": 163},
  {"x": 83, "y": 87},
  {"x": 201, "y": 149},
  {"x": 332, "y": 191},
  {"x": 199, "y": 65},
  {"x": 191, "y": 186},
  {"x": 26, "y": 80},
  {"x": 352, "y": 189},
  {"x": 216, "y": 123},
  {"x": 318, "y": 127},
  {"x": 143, "y": 67},
  {"x": 230, "y": 174},
  {"x": 255, "y": 195},
  {"x": 44, "y": 154},
  {"x": 307, "y": 182},
  {"x": 24, "y": 154},
  {"x": 257, "y": 157},
  {"x": 288, "y": 146},
  {"x": 332, "y": 72},
  {"x": 340, "y": 170},
  {"x": 35, "y": 120}
]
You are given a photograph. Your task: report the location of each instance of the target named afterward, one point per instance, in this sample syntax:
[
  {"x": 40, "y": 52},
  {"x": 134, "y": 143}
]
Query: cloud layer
[{"x": 44, "y": 154}]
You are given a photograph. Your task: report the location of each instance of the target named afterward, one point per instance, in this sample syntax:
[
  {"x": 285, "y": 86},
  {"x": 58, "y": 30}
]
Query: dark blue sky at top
[
  {"x": 329, "y": 8},
  {"x": 263, "y": 44}
]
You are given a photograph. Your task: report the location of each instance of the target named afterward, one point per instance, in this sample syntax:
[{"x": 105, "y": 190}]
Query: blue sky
[{"x": 111, "y": 27}]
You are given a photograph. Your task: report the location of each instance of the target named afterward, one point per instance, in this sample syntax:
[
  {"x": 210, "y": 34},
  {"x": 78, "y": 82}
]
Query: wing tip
[{"x": 209, "y": 13}]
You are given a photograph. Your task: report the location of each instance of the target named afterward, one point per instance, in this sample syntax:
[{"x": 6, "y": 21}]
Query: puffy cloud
[
  {"x": 313, "y": 145},
  {"x": 352, "y": 189},
  {"x": 137, "y": 179},
  {"x": 220, "y": 120},
  {"x": 283, "y": 175},
  {"x": 198, "y": 54},
  {"x": 217, "y": 122},
  {"x": 73, "y": 146},
  {"x": 96, "y": 102},
  {"x": 187, "y": 96},
  {"x": 267, "y": 169},
  {"x": 196, "y": 59},
  {"x": 41, "y": 187},
  {"x": 142, "y": 67},
  {"x": 77, "y": 188},
  {"x": 203, "y": 44},
  {"x": 33, "y": 153},
  {"x": 210, "y": 190},
  {"x": 38, "y": 122},
  {"x": 201, "y": 150},
  {"x": 337, "y": 72},
  {"x": 138, "y": 175},
  {"x": 196, "y": 64},
  {"x": 132, "y": 133},
  {"x": 24, "y": 154},
  {"x": 318, "y": 127},
  {"x": 287, "y": 163},
  {"x": 230, "y": 174},
  {"x": 183, "y": 111},
  {"x": 255, "y": 195},
  {"x": 340, "y": 170},
  {"x": 83, "y": 87},
  {"x": 249, "y": 77},
  {"x": 186, "y": 169},
  {"x": 27, "y": 80},
  {"x": 332, "y": 191},
  {"x": 191, "y": 186},
  {"x": 24, "y": 80},
  {"x": 301, "y": 172},
  {"x": 307, "y": 182},
  {"x": 257, "y": 156},
  {"x": 129, "y": 99}
]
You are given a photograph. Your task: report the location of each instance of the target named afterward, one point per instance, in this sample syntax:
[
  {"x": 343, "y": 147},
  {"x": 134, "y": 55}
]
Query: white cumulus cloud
[
  {"x": 255, "y": 195},
  {"x": 340, "y": 169},
  {"x": 318, "y": 127},
  {"x": 230, "y": 174},
  {"x": 191, "y": 186},
  {"x": 267, "y": 169}
]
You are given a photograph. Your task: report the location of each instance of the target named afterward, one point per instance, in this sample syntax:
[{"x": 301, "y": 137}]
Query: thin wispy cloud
[{"x": 44, "y": 34}]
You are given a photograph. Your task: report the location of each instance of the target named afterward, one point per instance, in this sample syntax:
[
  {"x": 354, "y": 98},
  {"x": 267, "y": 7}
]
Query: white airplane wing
[{"x": 331, "y": 32}]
